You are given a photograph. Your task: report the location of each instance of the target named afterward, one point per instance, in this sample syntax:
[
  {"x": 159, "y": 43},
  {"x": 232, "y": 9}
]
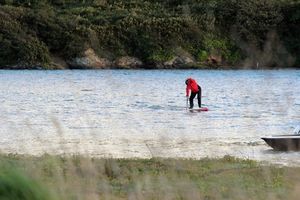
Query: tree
[{"x": 255, "y": 19}]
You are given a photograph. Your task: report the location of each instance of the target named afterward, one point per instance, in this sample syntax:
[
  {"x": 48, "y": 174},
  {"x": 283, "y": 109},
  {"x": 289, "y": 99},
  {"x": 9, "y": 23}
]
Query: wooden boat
[{"x": 283, "y": 142}]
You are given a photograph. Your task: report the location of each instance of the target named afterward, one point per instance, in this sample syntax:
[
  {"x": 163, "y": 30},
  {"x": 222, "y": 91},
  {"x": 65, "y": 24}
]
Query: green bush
[
  {"x": 15, "y": 186},
  {"x": 161, "y": 55},
  {"x": 202, "y": 56},
  {"x": 31, "y": 51}
]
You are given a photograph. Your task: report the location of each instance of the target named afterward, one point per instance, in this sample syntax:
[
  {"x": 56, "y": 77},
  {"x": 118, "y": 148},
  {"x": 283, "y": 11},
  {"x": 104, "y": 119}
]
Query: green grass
[{"x": 76, "y": 177}]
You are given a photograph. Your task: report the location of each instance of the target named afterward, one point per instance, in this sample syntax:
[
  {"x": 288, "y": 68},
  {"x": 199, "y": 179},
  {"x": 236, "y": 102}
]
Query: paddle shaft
[{"x": 187, "y": 102}]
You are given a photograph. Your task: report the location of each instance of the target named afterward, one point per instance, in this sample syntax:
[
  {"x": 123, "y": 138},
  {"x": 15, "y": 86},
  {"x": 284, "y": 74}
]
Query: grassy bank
[
  {"x": 35, "y": 34},
  {"x": 52, "y": 177}
]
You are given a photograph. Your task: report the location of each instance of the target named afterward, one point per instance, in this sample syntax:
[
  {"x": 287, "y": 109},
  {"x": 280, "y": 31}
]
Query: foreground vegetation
[
  {"x": 35, "y": 33},
  {"x": 57, "y": 177}
]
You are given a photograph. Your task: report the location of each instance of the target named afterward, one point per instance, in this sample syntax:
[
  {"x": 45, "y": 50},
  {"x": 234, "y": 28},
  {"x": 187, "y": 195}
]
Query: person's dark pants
[{"x": 199, "y": 95}]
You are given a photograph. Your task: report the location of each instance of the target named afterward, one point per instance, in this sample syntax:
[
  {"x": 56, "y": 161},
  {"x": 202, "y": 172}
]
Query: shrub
[
  {"x": 202, "y": 56},
  {"x": 14, "y": 185}
]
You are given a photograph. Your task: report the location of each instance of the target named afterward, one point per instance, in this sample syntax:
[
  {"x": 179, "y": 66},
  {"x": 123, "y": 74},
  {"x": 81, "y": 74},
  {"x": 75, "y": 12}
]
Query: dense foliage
[{"x": 240, "y": 32}]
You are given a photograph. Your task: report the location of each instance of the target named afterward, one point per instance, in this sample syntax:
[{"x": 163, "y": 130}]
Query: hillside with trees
[{"x": 56, "y": 34}]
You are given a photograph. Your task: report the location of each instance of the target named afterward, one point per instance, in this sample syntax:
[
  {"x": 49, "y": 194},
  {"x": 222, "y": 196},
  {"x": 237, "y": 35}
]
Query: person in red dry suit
[{"x": 192, "y": 85}]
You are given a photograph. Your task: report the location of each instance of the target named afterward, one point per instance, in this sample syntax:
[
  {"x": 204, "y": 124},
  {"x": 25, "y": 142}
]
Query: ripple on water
[
  {"x": 135, "y": 109},
  {"x": 155, "y": 107},
  {"x": 87, "y": 90}
]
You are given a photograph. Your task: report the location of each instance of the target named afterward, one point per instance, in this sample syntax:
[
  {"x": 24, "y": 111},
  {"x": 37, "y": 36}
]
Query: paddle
[{"x": 187, "y": 103}]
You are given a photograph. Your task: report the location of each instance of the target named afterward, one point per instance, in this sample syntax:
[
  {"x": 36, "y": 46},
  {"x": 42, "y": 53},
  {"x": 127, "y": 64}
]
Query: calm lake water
[{"x": 140, "y": 113}]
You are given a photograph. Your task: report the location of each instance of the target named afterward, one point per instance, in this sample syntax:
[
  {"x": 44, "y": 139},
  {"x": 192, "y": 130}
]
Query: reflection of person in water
[{"x": 192, "y": 85}]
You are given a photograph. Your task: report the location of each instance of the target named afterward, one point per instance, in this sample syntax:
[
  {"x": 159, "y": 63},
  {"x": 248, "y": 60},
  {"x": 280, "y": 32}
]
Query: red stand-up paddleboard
[{"x": 202, "y": 109}]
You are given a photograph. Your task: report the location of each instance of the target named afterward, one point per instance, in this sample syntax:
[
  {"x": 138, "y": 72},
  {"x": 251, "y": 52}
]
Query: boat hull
[{"x": 283, "y": 142}]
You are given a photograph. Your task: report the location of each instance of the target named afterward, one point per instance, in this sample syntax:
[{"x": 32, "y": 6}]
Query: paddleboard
[{"x": 202, "y": 109}]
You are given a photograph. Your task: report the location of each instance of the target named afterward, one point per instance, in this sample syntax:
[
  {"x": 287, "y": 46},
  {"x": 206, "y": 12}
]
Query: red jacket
[{"x": 191, "y": 85}]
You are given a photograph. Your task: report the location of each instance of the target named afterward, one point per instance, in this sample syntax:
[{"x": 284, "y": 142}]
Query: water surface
[{"x": 140, "y": 113}]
